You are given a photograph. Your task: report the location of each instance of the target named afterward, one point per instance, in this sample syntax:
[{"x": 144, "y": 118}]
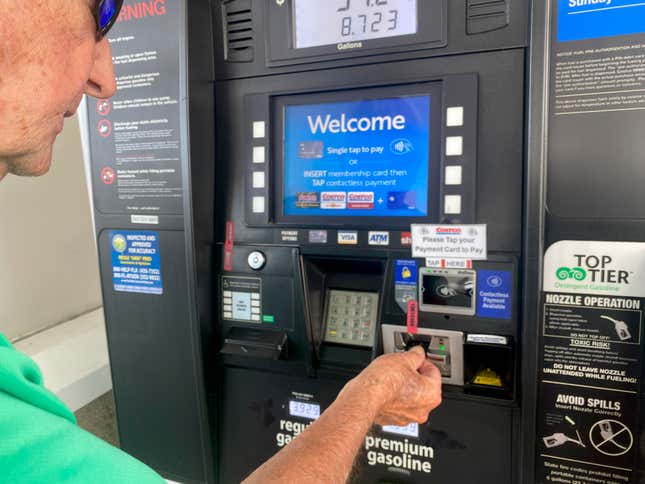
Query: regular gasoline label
[{"x": 590, "y": 362}]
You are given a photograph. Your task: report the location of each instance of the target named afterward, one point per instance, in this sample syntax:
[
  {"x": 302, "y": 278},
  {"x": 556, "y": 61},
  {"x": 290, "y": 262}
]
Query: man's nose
[{"x": 101, "y": 83}]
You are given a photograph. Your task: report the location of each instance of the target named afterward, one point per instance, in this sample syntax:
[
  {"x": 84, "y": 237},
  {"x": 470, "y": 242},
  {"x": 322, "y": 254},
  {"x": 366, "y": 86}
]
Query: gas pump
[{"x": 344, "y": 126}]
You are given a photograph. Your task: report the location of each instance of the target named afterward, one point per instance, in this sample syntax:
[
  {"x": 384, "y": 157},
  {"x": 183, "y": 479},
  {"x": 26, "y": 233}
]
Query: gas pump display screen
[
  {"x": 339, "y": 21},
  {"x": 364, "y": 158}
]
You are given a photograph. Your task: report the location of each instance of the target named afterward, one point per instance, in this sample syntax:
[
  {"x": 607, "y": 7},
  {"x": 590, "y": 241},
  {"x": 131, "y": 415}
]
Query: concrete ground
[{"x": 99, "y": 418}]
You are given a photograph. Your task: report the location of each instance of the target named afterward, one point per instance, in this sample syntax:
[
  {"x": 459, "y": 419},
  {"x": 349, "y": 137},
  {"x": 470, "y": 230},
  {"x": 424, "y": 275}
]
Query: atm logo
[{"x": 379, "y": 238}]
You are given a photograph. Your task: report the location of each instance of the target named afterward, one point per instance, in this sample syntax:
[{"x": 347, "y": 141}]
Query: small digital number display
[
  {"x": 410, "y": 430},
  {"x": 304, "y": 409},
  {"x": 330, "y": 22}
]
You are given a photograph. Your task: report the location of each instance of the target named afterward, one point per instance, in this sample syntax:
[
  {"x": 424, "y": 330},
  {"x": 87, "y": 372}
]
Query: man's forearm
[{"x": 325, "y": 452}]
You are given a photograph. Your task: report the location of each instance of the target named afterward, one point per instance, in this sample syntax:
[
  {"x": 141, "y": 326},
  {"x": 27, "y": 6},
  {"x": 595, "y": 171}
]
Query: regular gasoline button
[{"x": 256, "y": 260}]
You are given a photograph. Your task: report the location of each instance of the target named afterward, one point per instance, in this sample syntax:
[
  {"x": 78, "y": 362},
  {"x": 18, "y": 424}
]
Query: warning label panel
[{"x": 590, "y": 365}]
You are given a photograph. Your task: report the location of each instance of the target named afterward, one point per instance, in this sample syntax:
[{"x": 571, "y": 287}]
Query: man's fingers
[
  {"x": 430, "y": 370},
  {"x": 415, "y": 357}
]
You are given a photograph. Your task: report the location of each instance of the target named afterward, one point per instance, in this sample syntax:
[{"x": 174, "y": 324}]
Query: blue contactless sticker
[
  {"x": 136, "y": 263},
  {"x": 591, "y": 19},
  {"x": 494, "y": 294},
  {"x": 405, "y": 272}
]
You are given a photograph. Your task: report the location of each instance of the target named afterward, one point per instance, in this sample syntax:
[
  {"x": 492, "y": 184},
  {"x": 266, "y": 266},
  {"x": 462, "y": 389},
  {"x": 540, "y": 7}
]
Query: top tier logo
[
  {"x": 596, "y": 268},
  {"x": 352, "y": 125}
]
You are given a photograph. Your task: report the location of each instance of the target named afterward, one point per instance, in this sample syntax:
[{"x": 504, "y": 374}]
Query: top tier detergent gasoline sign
[{"x": 591, "y": 362}]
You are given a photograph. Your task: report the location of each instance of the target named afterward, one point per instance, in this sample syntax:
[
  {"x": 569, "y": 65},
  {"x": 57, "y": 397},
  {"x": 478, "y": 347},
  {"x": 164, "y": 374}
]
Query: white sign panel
[
  {"x": 449, "y": 241},
  {"x": 589, "y": 267}
]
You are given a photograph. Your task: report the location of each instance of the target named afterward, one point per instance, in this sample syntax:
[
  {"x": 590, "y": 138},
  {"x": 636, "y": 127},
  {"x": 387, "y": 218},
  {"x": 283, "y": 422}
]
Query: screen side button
[
  {"x": 259, "y": 129},
  {"x": 258, "y": 154},
  {"x": 455, "y": 116},
  {"x": 258, "y": 204},
  {"x": 453, "y": 175},
  {"x": 258, "y": 179},
  {"x": 452, "y": 205},
  {"x": 454, "y": 145}
]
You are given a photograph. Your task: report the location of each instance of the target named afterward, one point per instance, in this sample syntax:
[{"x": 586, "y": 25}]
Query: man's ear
[{"x": 101, "y": 83}]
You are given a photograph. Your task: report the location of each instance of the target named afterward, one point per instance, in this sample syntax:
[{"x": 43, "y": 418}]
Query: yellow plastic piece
[{"x": 488, "y": 377}]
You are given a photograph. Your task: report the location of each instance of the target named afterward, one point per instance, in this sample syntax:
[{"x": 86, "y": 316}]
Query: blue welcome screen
[{"x": 359, "y": 159}]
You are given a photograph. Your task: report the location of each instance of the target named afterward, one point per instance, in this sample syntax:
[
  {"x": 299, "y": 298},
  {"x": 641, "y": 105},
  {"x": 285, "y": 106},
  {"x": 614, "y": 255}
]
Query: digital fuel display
[
  {"x": 331, "y": 22},
  {"x": 307, "y": 410}
]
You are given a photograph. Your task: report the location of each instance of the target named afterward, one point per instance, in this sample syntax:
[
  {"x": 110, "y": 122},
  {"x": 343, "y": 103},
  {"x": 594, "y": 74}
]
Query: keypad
[{"x": 351, "y": 317}]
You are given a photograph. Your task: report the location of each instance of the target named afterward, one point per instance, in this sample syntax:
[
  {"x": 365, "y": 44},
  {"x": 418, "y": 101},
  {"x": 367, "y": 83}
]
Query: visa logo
[
  {"x": 379, "y": 238},
  {"x": 348, "y": 238}
]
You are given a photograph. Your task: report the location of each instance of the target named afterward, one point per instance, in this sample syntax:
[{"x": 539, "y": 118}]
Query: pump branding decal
[
  {"x": 494, "y": 289},
  {"x": 136, "y": 263},
  {"x": 590, "y": 363},
  {"x": 589, "y": 19},
  {"x": 588, "y": 267}
]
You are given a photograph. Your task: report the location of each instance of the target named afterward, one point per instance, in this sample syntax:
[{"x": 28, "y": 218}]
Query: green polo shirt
[{"x": 40, "y": 441}]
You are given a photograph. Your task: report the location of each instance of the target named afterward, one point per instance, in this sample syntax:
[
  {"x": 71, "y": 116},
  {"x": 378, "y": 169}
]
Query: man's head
[{"x": 50, "y": 55}]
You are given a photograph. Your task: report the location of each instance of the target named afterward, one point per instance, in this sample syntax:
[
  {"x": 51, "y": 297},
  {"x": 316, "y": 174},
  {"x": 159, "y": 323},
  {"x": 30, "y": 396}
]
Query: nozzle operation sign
[{"x": 590, "y": 364}]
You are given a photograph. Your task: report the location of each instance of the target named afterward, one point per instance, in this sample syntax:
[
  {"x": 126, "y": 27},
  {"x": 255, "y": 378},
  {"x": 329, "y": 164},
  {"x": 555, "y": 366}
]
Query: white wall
[{"x": 48, "y": 262}]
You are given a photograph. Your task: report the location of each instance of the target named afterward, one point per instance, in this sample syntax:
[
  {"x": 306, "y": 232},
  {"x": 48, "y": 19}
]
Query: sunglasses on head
[{"x": 106, "y": 14}]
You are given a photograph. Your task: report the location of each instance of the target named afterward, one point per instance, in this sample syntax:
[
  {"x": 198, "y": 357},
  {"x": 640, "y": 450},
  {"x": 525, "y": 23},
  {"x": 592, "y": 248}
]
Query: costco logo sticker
[
  {"x": 379, "y": 238},
  {"x": 360, "y": 200},
  {"x": 448, "y": 231},
  {"x": 347, "y": 238},
  {"x": 333, "y": 200}
]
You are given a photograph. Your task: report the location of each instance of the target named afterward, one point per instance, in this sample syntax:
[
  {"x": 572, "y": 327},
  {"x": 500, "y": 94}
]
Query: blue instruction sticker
[
  {"x": 494, "y": 294},
  {"x": 136, "y": 264},
  {"x": 591, "y": 19},
  {"x": 405, "y": 272}
]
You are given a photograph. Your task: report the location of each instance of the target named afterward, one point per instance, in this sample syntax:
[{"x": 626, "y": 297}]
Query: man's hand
[{"x": 405, "y": 387}]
